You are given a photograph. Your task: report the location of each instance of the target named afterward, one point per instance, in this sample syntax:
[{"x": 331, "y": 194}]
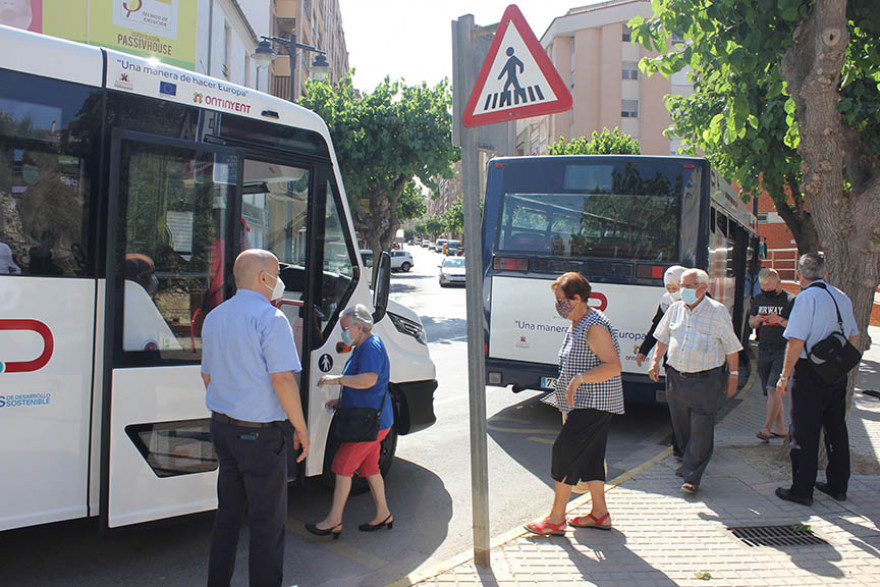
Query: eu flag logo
[{"x": 168, "y": 88}]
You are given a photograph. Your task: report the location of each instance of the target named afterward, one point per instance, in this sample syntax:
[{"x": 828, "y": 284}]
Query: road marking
[
  {"x": 541, "y": 440},
  {"x": 523, "y": 430},
  {"x": 337, "y": 546}
]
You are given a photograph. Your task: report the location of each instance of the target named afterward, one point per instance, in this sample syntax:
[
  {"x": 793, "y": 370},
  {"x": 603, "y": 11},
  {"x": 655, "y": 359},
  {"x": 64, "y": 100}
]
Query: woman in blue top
[{"x": 364, "y": 382}]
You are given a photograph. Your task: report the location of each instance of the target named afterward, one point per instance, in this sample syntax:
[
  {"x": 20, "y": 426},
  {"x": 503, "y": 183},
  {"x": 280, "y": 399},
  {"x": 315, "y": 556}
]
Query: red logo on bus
[
  {"x": 603, "y": 301},
  {"x": 39, "y": 362}
]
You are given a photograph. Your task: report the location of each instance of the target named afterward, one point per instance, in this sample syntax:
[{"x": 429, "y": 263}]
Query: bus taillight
[
  {"x": 650, "y": 271},
  {"x": 511, "y": 264}
]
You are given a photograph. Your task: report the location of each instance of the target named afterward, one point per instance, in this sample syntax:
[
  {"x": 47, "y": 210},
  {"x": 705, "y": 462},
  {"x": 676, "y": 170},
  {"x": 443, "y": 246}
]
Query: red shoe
[
  {"x": 545, "y": 528},
  {"x": 591, "y": 521}
]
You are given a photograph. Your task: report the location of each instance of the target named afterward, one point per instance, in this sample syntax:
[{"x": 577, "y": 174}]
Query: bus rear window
[{"x": 600, "y": 214}]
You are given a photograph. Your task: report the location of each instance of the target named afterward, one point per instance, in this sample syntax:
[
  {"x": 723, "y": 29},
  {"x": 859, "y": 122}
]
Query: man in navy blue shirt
[
  {"x": 815, "y": 405},
  {"x": 248, "y": 362}
]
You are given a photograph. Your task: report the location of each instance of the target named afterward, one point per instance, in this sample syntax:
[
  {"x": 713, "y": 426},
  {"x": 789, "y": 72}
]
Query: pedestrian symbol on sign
[{"x": 531, "y": 86}]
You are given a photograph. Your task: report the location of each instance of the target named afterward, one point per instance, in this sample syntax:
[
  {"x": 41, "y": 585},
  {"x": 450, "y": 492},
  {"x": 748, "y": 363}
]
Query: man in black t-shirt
[{"x": 769, "y": 316}]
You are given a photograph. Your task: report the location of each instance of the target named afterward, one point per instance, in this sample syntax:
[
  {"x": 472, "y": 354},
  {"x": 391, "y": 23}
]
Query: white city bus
[
  {"x": 127, "y": 188},
  {"x": 621, "y": 221}
]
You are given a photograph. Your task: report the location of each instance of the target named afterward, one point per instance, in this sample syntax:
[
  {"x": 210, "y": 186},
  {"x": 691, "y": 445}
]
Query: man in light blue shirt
[
  {"x": 815, "y": 405},
  {"x": 248, "y": 362}
]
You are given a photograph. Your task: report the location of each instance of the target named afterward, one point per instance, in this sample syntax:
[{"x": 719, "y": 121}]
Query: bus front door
[{"x": 174, "y": 229}]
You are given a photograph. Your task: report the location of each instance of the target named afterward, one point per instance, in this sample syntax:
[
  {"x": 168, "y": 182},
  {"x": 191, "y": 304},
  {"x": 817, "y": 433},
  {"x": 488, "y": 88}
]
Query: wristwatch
[{"x": 733, "y": 373}]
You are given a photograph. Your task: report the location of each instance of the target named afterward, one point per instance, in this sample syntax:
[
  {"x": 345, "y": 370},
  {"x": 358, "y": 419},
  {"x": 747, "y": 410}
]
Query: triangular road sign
[{"x": 517, "y": 79}]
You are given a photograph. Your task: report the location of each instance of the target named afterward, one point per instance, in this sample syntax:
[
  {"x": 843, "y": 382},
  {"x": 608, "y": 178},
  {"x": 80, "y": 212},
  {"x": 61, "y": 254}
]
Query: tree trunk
[
  {"x": 797, "y": 218},
  {"x": 847, "y": 222}
]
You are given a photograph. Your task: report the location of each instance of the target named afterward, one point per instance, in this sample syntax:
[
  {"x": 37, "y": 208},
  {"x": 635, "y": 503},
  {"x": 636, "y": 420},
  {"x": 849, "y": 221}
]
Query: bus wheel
[{"x": 359, "y": 485}]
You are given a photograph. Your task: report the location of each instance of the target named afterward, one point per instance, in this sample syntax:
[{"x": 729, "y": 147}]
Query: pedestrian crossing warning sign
[{"x": 517, "y": 79}]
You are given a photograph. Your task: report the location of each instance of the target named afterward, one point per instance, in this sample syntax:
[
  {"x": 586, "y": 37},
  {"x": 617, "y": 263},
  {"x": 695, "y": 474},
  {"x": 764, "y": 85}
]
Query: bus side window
[
  {"x": 174, "y": 236},
  {"x": 44, "y": 183},
  {"x": 338, "y": 263}
]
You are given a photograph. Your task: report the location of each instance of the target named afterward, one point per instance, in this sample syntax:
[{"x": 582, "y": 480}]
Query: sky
[{"x": 412, "y": 39}]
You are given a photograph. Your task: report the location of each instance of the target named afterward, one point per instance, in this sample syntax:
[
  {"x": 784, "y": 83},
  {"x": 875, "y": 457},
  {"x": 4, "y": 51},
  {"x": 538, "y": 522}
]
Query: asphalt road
[{"x": 428, "y": 488}]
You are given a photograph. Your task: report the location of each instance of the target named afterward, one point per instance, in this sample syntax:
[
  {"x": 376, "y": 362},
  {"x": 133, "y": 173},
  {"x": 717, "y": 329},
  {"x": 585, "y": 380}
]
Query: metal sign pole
[{"x": 463, "y": 81}]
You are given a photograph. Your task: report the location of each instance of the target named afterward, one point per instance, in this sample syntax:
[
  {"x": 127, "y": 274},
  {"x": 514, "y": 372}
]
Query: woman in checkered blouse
[{"x": 588, "y": 393}]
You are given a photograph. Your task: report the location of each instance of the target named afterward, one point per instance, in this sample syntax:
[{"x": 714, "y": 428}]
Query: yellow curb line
[
  {"x": 502, "y": 539},
  {"x": 753, "y": 371}
]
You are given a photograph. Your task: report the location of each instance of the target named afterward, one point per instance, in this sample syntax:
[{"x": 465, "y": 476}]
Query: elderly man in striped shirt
[{"x": 697, "y": 336}]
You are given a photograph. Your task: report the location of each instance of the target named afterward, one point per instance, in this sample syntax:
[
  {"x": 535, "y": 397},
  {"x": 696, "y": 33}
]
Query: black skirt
[{"x": 579, "y": 450}]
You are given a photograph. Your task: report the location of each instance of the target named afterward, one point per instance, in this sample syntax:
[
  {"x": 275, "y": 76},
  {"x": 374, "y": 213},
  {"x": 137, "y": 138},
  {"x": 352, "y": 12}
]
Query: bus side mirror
[{"x": 382, "y": 288}]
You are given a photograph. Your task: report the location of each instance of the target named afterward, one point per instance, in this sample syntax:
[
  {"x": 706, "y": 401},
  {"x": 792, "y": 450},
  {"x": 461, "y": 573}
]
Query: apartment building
[
  {"x": 592, "y": 50},
  {"x": 317, "y": 23}
]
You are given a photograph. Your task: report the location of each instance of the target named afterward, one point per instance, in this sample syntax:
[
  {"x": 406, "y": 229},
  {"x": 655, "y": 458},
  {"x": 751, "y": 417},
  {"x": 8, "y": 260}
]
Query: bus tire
[{"x": 358, "y": 484}]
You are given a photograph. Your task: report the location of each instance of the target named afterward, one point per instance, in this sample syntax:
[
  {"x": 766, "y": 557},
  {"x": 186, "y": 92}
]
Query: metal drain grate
[{"x": 776, "y": 536}]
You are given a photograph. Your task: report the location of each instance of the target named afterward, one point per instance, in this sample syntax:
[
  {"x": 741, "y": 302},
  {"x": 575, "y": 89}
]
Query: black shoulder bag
[
  {"x": 834, "y": 356},
  {"x": 358, "y": 424}
]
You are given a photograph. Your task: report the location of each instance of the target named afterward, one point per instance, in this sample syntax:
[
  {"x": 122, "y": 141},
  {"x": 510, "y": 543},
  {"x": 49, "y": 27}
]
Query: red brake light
[
  {"x": 510, "y": 264},
  {"x": 650, "y": 271}
]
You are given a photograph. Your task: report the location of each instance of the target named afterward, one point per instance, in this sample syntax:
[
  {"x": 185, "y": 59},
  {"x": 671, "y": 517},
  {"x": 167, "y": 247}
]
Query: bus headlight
[{"x": 407, "y": 326}]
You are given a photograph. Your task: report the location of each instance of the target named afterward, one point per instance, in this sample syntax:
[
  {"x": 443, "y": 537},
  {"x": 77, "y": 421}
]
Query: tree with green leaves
[
  {"x": 453, "y": 218},
  {"x": 787, "y": 91},
  {"x": 605, "y": 143},
  {"x": 435, "y": 226},
  {"x": 383, "y": 140},
  {"x": 411, "y": 203}
]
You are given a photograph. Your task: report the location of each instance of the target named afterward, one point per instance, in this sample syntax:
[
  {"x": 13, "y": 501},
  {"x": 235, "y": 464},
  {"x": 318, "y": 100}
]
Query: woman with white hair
[
  {"x": 364, "y": 382},
  {"x": 672, "y": 283}
]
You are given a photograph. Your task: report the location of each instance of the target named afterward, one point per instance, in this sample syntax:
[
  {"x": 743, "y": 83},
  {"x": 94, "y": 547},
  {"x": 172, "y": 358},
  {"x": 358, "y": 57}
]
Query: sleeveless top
[{"x": 576, "y": 357}]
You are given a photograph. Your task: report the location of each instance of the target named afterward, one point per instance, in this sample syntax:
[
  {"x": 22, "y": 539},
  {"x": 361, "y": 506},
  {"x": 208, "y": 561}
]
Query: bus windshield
[{"x": 600, "y": 211}]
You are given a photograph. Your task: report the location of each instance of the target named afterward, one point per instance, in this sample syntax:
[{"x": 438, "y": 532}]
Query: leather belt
[
  {"x": 224, "y": 419},
  {"x": 698, "y": 374}
]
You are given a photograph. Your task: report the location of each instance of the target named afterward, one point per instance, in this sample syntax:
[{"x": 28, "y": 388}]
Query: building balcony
[
  {"x": 285, "y": 8},
  {"x": 281, "y": 86}
]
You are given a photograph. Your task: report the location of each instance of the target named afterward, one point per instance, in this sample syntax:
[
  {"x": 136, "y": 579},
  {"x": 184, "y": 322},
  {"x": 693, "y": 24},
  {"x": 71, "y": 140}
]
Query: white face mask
[
  {"x": 278, "y": 290},
  {"x": 675, "y": 295}
]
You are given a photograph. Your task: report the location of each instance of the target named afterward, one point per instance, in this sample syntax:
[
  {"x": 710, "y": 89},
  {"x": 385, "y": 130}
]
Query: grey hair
[
  {"x": 765, "y": 274},
  {"x": 812, "y": 266},
  {"x": 702, "y": 276},
  {"x": 359, "y": 314}
]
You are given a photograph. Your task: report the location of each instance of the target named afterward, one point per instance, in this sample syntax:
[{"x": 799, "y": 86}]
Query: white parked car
[
  {"x": 401, "y": 261},
  {"x": 452, "y": 271}
]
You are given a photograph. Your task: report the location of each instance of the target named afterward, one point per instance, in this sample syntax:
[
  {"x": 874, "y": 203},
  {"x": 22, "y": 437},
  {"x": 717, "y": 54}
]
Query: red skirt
[{"x": 359, "y": 457}]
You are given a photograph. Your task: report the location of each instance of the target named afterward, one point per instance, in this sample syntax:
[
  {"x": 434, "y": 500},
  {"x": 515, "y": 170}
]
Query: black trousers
[
  {"x": 817, "y": 406},
  {"x": 694, "y": 399},
  {"x": 252, "y": 481}
]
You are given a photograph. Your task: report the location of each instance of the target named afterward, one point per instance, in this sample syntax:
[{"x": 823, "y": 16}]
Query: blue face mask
[
  {"x": 346, "y": 337},
  {"x": 688, "y": 296}
]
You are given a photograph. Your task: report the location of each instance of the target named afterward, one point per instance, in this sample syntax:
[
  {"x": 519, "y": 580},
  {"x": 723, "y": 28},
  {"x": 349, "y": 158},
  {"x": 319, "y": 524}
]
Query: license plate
[{"x": 548, "y": 382}]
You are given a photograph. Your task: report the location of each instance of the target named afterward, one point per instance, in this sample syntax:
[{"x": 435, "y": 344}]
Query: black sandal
[
  {"x": 372, "y": 527},
  {"x": 313, "y": 528}
]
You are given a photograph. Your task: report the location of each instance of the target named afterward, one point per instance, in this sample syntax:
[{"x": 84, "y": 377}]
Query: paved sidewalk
[{"x": 664, "y": 538}]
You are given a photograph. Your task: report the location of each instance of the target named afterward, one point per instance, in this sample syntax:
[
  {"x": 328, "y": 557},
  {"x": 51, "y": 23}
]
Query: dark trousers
[
  {"x": 694, "y": 400},
  {"x": 252, "y": 481},
  {"x": 817, "y": 406}
]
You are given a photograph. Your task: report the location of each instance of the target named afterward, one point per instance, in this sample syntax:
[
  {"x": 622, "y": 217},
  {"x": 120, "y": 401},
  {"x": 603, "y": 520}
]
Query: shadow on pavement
[
  {"x": 527, "y": 430},
  {"x": 442, "y": 329},
  {"x": 422, "y": 509},
  {"x": 72, "y": 554},
  {"x": 175, "y": 551}
]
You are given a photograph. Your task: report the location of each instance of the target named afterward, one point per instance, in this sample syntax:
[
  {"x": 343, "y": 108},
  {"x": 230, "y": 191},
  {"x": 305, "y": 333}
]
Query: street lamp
[{"x": 264, "y": 55}]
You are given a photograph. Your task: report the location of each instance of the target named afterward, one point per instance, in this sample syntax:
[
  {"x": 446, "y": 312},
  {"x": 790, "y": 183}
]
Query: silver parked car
[{"x": 452, "y": 271}]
